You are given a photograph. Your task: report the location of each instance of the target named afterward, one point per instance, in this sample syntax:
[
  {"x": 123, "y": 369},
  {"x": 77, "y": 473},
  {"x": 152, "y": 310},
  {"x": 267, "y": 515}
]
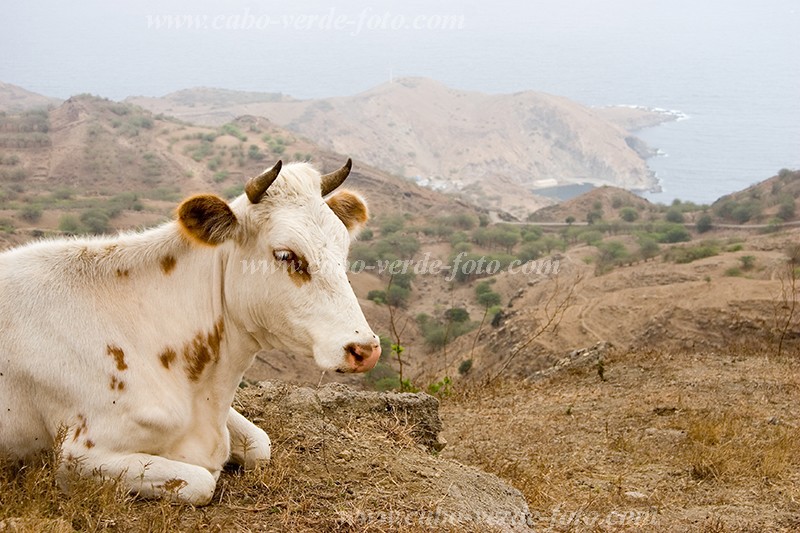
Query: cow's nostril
[{"x": 354, "y": 351}]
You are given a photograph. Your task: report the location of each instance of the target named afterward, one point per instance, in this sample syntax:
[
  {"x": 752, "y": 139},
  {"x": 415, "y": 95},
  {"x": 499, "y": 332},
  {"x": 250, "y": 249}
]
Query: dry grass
[
  {"x": 670, "y": 442},
  {"x": 328, "y": 473}
]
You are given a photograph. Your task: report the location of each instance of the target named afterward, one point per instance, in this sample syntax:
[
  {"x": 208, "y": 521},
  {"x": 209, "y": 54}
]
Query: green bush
[
  {"x": 6, "y": 225},
  {"x": 366, "y": 234},
  {"x": 704, "y": 223},
  {"x": 629, "y": 214},
  {"x": 648, "y": 247},
  {"x": 674, "y": 215},
  {"x": 234, "y": 131},
  {"x": 397, "y": 296},
  {"x": 530, "y": 251},
  {"x": 457, "y": 314},
  {"x": 787, "y": 210},
  {"x": 377, "y": 296},
  {"x": 254, "y": 153},
  {"x": 748, "y": 262},
  {"x": 610, "y": 254},
  {"x": 391, "y": 224},
  {"x": 687, "y": 254},
  {"x": 95, "y": 220},
  {"x": 30, "y": 213},
  {"x": 489, "y": 299},
  {"x": 69, "y": 224},
  {"x": 592, "y": 237},
  {"x": 465, "y": 367}
]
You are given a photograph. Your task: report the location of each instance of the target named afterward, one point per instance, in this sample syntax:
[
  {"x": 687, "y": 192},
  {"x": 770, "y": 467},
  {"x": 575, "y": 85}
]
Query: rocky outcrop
[{"x": 383, "y": 448}]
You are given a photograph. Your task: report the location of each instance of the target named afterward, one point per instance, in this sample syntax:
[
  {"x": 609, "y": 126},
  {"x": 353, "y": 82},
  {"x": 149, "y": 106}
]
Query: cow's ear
[
  {"x": 207, "y": 219},
  {"x": 351, "y": 210}
]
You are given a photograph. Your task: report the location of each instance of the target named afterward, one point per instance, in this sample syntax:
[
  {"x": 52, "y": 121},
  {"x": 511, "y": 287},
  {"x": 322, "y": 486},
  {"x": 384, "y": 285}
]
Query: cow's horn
[
  {"x": 334, "y": 179},
  {"x": 256, "y": 187}
]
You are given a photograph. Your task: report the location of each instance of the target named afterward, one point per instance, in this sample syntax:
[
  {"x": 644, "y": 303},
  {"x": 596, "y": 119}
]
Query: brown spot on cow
[
  {"x": 297, "y": 267},
  {"x": 203, "y": 349},
  {"x": 174, "y": 484},
  {"x": 89, "y": 444},
  {"x": 118, "y": 355},
  {"x": 168, "y": 264},
  {"x": 80, "y": 428},
  {"x": 116, "y": 384},
  {"x": 122, "y": 273},
  {"x": 167, "y": 357}
]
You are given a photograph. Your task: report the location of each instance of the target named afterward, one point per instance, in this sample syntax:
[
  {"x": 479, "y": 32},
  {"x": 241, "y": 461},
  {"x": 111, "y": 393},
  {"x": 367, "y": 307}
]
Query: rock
[
  {"x": 381, "y": 447},
  {"x": 635, "y": 495}
]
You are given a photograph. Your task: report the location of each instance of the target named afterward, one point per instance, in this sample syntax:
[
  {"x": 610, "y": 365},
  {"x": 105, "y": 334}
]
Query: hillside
[
  {"x": 496, "y": 149},
  {"x": 770, "y": 201},
  {"x": 14, "y": 99},
  {"x": 640, "y": 364},
  {"x": 90, "y": 151},
  {"x": 605, "y": 202}
]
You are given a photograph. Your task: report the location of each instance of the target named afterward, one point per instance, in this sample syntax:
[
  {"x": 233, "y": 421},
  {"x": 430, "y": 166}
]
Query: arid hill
[
  {"x": 768, "y": 201},
  {"x": 14, "y": 99},
  {"x": 608, "y": 203},
  {"x": 496, "y": 149}
]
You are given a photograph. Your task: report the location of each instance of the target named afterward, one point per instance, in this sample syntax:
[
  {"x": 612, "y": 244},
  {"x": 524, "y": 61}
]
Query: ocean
[{"x": 731, "y": 67}]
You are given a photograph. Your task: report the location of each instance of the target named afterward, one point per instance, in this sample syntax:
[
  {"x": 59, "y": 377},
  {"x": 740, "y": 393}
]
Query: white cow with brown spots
[{"x": 136, "y": 343}]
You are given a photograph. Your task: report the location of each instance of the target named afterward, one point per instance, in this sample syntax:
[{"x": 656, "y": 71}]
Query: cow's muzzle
[{"x": 361, "y": 357}]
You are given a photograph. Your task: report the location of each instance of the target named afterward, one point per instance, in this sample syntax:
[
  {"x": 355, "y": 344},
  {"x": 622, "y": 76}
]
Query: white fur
[{"x": 68, "y": 304}]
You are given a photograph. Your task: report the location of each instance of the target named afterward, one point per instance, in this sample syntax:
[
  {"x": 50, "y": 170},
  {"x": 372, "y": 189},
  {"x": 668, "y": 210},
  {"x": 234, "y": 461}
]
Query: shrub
[
  {"x": 748, "y": 262},
  {"x": 457, "y": 314},
  {"x": 234, "y": 131},
  {"x": 377, "y": 296},
  {"x": 465, "y": 367},
  {"x": 391, "y": 224},
  {"x": 704, "y": 223},
  {"x": 787, "y": 210},
  {"x": 30, "y": 213},
  {"x": 254, "y": 153},
  {"x": 674, "y": 215},
  {"x": 69, "y": 224},
  {"x": 397, "y": 296},
  {"x": 95, "y": 220},
  {"x": 629, "y": 214},
  {"x": 6, "y": 225},
  {"x": 687, "y": 254},
  {"x": 366, "y": 234},
  {"x": 592, "y": 237},
  {"x": 648, "y": 247},
  {"x": 489, "y": 299},
  {"x": 610, "y": 254},
  {"x": 530, "y": 251}
]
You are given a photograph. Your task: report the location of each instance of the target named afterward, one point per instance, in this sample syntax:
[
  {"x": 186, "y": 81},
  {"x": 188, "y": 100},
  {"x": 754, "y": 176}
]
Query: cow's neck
[{"x": 181, "y": 285}]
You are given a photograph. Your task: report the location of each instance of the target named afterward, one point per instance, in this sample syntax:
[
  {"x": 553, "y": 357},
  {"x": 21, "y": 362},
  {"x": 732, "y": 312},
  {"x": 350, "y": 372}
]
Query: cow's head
[{"x": 285, "y": 278}]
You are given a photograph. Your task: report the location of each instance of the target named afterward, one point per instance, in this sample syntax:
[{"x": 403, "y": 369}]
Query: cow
[{"x": 126, "y": 351}]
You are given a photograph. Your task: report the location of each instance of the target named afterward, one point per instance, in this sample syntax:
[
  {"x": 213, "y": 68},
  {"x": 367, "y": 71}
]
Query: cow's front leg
[
  {"x": 149, "y": 476},
  {"x": 249, "y": 443}
]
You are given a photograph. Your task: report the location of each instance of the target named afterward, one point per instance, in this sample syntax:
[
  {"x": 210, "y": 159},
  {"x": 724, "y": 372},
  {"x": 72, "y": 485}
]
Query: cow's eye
[{"x": 286, "y": 256}]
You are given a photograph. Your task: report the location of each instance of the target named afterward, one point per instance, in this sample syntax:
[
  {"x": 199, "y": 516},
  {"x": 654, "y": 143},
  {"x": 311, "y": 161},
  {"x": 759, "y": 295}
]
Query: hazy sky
[{"x": 312, "y": 49}]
